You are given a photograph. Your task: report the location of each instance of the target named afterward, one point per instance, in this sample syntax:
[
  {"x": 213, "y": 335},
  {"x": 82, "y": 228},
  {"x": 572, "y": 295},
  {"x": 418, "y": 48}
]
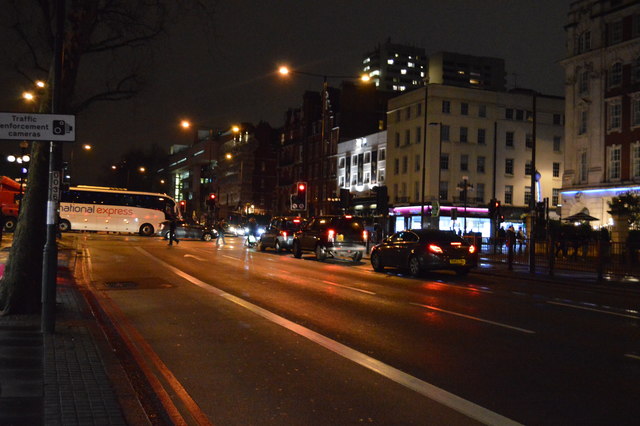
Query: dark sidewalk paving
[
  {"x": 61, "y": 379},
  {"x": 57, "y": 379}
]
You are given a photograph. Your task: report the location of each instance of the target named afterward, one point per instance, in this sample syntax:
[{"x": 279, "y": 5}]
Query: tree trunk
[{"x": 22, "y": 280}]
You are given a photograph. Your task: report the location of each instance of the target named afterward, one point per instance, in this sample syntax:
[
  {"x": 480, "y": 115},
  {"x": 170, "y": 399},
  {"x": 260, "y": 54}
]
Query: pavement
[{"x": 72, "y": 377}]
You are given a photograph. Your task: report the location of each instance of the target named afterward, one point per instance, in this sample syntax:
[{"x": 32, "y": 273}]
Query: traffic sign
[{"x": 37, "y": 127}]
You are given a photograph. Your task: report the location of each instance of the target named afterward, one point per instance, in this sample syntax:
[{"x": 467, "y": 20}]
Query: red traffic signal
[
  {"x": 302, "y": 187},
  {"x": 212, "y": 197}
]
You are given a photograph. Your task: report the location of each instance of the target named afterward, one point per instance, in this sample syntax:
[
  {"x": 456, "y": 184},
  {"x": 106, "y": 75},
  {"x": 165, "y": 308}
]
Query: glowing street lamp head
[
  {"x": 284, "y": 70},
  {"x": 28, "y": 96},
  {"x": 86, "y": 147},
  {"x": 228, "y": 156},
  {"x": 235, "y": 129},
  {"x": 365, "y": 78},
  {"x": 185, "y": 124},
  {"x": 40, "y": 84},
  {"x": 142, "y": 169}
]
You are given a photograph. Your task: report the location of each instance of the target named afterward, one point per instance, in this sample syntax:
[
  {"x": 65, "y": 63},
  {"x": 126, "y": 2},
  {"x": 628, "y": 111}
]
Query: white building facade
[
  {"x": 602, "y": 77},
  {"x": 478, "y": 139}
]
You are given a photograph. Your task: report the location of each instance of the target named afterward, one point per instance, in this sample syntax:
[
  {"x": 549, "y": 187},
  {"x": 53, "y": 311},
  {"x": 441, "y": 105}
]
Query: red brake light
[
  {"x": 348, "y": 216},
  {"x": 296, "y": 221},
  {"x": 472, "y": 249},
  {"x": 331, "y": 235},
  {"x": 284, "y": 234},
  {"x": 434, "y": 248}
]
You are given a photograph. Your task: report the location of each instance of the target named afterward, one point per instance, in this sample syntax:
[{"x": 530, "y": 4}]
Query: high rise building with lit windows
[{"x": 396, "y": 67}]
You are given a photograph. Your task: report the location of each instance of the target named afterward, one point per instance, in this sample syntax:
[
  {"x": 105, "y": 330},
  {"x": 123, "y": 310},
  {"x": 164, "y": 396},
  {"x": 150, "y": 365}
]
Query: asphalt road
[{"x": 245, "y": 337}]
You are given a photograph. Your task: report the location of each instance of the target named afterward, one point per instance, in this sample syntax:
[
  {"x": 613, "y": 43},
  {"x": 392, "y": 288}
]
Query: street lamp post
[
  {"x": 532, "y": 200},
  {"x": 424, "y": 150}
]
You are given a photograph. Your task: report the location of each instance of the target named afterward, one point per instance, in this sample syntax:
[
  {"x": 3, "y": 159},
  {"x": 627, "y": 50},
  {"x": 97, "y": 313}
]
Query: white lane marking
[
  {"x": 428, "y": 390},
  {"x": 632, "y": 356},
  {"x": 350, "y": 288},
  {"x": 569, "y": 305},
  {"x": 195, "y": 257},
  {"x": 499, "y": 324}
]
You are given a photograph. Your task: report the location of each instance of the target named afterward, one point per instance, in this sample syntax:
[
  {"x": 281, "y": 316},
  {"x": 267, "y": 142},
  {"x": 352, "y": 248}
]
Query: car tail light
[
  {"x": 472, "y": 249},
  {"x": 434, "y": 248},
  {"x": 284, "y": 234},
  {"x": 331, "y": 235},
  {"x": 365, "y": 235}
]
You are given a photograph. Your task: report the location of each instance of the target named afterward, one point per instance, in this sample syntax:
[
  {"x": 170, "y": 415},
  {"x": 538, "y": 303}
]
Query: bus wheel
[
  {"x": 146, "y": 230},
  {"x": 10, "y": 224},
  {"x": 64, "y": 226}
]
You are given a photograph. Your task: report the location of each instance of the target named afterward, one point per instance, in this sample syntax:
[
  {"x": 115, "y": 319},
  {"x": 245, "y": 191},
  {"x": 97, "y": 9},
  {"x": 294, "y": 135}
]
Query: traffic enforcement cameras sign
[{"x": 37, "y": 127}]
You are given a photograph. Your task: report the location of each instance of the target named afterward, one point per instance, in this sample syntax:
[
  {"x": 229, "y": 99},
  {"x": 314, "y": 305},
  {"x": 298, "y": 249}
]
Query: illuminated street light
[
  {"x": 235, "y": 129},
  {"x": 185, "y": 124},
  {"x": 228, "y": 156},
  {"x": 141, "y": 169},
  {"x": 40, "y": 84},
  {"x": 28, "y": 96},
  {"x": 87, "y": 147}
]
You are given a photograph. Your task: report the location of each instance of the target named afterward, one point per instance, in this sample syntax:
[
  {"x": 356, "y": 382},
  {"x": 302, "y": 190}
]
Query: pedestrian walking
[
  {"x": 172, "y": 230},
  {"x": 220, "y": 225}
]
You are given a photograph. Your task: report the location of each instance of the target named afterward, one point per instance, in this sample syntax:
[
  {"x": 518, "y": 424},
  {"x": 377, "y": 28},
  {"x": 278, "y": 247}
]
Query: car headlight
[{"x": 261, "y": 231}]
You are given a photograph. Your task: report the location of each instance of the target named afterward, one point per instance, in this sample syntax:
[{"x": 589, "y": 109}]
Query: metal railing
[{"x": 603, "y": 259}]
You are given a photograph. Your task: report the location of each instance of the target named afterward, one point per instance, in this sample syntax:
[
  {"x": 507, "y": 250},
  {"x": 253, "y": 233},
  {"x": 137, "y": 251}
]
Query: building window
[
  {"x": 556, "y": 170},
  {"x": 519, "y": 114},
  {"x": 464, "y": 108},
  {"x": 444, "y": 161},
  {"x": 528, "y": 140},
  {"x": 398, "y": 115},
  {"x": 557, "y": 140},
  {"x": 508, "y": 194},
  {"x": 464, "y": 134},
  {"x": 482, "y": 136},
  {"x": 614, "y": 162},
  {"x": 583, "y": 82},
  {"x": 635, "y": 111},
  {"x": 482, "y": 111},
  {"x": 583, "y": 117},
  {"x": 464, "y": 162},
  {"x": 417, "y": 163},
  {"x": 508, "y": 166},
  {"x": 583, "y": 166},
  {"x": 555, "y": 196},
  {"x": 418, "y": 134},
  {"x": 408, "y": 113},
  {"x": 367, "y": 157},
  {"x": 446, "y": 107},
  {"x": 615, "y": 75},
  {"x": 508, "y": 113},
  {"x": 418, "y": 110},
  {"x": 416, "y": 191},
  {"x": 444, "y": 133},
  {"x": 443, "y": 193},
  {"x": 635, "y": 69},
  {"x": 382, "y": 154},
  {"x": 405, "y": 164},
  {"x": 480, "y": 164},
  {"x": 614, "y": 115},
  {"x": 396, "y": 166},
  {"x": 635, "y": 160},
  {"x": 367, "y": 177},
  {"x": 615, "y": 32},
  {"x": 341, "y": 182},
  {"x": 557, "y": 119},
  {"x": 381, "y": 175},
  {"x": 583, "y": 43},
  {"x": 527, "y": 195},
  {"x": 509, "y": 139},
  {"x": 527, "y": 168},
  {"x": 341, "y": 163},
  {"x": 397, "y": 139}
]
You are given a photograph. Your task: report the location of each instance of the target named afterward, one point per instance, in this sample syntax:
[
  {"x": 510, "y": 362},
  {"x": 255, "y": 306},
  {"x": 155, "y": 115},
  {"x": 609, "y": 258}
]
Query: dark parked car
[
  {"x": 422, "y": 250},
  {"x": 279, "y": 233},
  {"x": 332, "y": 236},
  {"x": 188, "y": 230}
]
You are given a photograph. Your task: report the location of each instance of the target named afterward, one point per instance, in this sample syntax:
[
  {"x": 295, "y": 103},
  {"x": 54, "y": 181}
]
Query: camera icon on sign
[{"x": 60, "y": 127}]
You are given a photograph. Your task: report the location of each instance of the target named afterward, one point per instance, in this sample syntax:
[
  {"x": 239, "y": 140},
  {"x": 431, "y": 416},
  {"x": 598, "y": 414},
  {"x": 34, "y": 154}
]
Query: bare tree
[{"x": 93, "y": 29}]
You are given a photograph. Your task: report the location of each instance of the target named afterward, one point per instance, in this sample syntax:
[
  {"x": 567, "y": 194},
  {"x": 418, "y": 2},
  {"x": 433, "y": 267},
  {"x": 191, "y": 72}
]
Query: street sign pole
[{"x": 50, "y": 252}]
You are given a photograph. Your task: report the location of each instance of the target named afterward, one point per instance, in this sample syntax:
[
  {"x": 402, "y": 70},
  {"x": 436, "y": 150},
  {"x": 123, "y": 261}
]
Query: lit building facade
[
  {"x": 602, "y": 134},
  {"x": 395, "y": 67},
  {"x": 478, "y": 139}
]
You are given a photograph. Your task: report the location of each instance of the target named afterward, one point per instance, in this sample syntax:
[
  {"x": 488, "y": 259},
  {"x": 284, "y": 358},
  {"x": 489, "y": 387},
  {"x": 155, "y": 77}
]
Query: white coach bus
[{"x": 94, "y": 208}]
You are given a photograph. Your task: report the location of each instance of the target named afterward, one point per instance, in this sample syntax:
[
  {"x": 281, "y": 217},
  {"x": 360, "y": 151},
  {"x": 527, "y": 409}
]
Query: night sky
[{"x": 230, "y": 76}]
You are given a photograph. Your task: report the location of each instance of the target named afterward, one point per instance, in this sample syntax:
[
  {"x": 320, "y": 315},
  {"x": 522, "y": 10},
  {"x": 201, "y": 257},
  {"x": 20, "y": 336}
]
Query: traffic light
[
  {"x": 211, "y": 200},
  {"x": 183, "y": 206},
  {"x": 494, "y": 208},
  {"x": 301, "y": 196}
]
